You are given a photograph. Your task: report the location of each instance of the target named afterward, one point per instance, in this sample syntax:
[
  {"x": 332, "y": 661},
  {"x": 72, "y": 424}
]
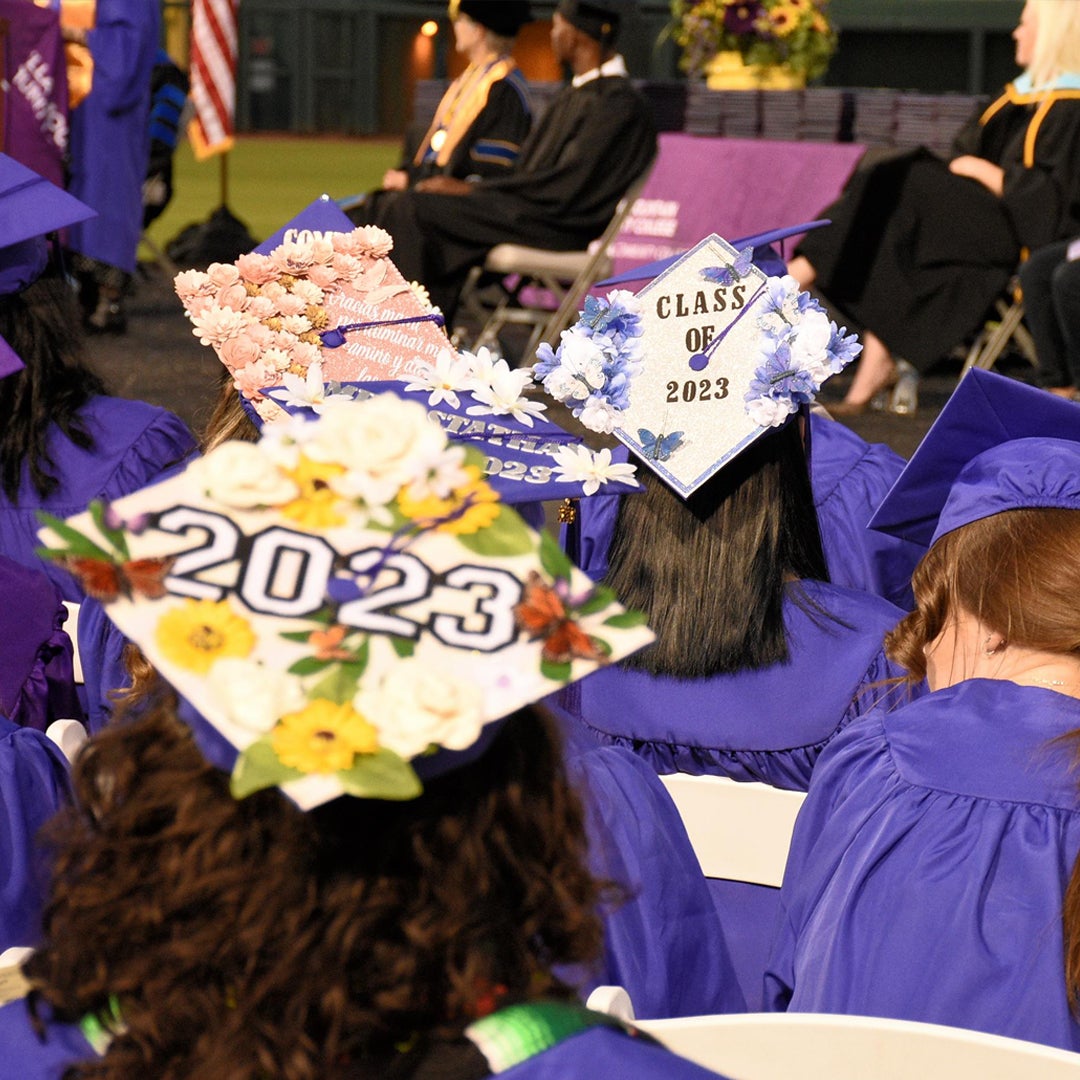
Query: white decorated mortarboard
[
  {"x": 708, "y": 357},
  {"x": 325, "y": 293},
  {"x": 346, "y": 603}
]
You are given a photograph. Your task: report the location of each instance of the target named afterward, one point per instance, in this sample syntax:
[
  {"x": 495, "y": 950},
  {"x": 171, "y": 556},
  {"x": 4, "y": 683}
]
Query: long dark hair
[
  {"x": 246, "y": 939},
  {"x": 42, "y": 325},
  {"x": 712, "y": 570}
]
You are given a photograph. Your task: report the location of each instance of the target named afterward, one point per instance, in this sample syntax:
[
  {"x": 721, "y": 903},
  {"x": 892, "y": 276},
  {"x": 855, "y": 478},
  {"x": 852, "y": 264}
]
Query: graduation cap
[
  {"x": 705, "y": 359},
  {"x": 997, "y": 445},
  {"x": 364, "y": 610},
  {"x": 505, "y": 18},
  {"x": 30, "y": 208},
  {"x": 599, "y": 19},
  {"x": 764, "y": 255},
  {"x": 318, "y": 290}
]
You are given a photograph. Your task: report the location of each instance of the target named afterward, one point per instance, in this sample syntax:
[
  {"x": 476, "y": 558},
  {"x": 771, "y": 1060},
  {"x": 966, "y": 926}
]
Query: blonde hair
[
  {"x": 229, "y": 419},
  {"x": 1057, "y": 40}
]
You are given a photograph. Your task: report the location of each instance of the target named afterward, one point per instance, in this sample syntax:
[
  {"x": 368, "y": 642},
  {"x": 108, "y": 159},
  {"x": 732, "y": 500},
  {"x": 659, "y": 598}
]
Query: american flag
[{"x": 213, "y": 75}]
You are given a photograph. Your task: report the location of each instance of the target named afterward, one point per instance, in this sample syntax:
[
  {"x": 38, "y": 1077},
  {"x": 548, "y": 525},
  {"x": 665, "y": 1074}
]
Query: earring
[{"x": 998, "y": 643}]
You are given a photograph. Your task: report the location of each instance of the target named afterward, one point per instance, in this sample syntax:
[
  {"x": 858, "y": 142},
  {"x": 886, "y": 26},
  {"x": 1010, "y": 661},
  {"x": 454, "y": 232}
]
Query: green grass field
[{"x": 271, "y": 178}]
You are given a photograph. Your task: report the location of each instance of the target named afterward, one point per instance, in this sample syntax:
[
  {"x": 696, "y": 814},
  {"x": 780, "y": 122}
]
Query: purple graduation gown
[
  {"x": 595, "y": 1052},
  {"x": 768, "y": 725},
  {"x": 664, "y": 945},
  {"x": 27, "y": 1057},
  {"x": 37, "y": 682},
  {"x": 33, "y": 786},
  {"x": 134, "y": 444},
  {"x": 929, "y": 863},
  {"x": 110, "y": 132},
  {"x": 850, "y": 477}
]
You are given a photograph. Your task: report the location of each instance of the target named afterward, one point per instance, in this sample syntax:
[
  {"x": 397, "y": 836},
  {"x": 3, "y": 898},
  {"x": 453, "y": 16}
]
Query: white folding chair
[
  {"x": 740, "y": 832},
  {"x": 819, "y": 1046}
]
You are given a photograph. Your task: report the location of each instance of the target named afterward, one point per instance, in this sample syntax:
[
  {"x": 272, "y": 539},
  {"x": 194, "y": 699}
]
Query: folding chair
[
  {"x": 740, "y": 831},
  {"x": 525, "y": 276},
  {"x": 818, "y": 1046},
  {"x": 996, "y": 334}
]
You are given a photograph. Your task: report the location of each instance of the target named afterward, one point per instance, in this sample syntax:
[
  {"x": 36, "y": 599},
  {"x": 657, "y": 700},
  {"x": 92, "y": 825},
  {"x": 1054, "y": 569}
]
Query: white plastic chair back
[
  {"x": 71, "y": 626},
  {"x": 69, "y": 735},
  {"x": 12, "y": 983},
  {"x": 780, "y": 1046},
  {"x": 740, "y": 832}
]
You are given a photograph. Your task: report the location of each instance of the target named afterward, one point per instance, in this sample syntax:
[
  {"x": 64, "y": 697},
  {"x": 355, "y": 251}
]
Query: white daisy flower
[{"x": 578, "y": 463}]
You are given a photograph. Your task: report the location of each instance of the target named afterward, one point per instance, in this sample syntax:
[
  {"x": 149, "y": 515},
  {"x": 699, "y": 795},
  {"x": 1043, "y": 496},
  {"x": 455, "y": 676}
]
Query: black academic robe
[
  {"x": 918, "y": 255},
  {"x": 587, "y": 148}
]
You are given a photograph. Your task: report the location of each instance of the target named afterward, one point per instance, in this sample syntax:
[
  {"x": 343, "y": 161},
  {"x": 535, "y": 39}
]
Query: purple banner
[
  {"x": 732, "y": 187},
  {"x": 34, "y": 88}
]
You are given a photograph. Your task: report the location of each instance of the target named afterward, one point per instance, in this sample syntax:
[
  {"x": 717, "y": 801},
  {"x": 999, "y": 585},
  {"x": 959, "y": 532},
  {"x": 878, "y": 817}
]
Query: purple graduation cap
[
  {"x": 30, "y": 208},
  {"x": 997, "y": 445},
  {"x": 322, "y": 215}
]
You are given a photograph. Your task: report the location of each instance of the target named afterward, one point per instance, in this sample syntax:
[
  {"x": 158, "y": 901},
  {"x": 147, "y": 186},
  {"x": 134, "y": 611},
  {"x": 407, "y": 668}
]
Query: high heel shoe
[{"x": 904, "y": 399}]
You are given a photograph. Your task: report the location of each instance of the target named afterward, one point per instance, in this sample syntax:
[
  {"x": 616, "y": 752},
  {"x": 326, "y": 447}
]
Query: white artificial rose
[
  {"x": 768, "y": 412},
  {"x": 598, "y": 415},
  {"x": 383, "y": 442},
  {"x": 240, "y": 474},
  {"x": 420, "y": 704},
  {"x": 255, "y": 696},
  {"x": 810, "y": 341}
]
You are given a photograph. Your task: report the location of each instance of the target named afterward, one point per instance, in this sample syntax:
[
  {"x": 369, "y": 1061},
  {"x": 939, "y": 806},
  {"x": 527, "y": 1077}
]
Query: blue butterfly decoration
[
  {"x": 593, "y": 312},
  {"x": 735, "y": 272},
  {"x": 659, "y": 447}
]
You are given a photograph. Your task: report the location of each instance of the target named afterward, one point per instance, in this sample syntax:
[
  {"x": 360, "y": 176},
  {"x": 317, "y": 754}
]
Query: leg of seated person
[
  {"x": 1066, "y": 292},
  {"x": 1041, "y": 316},
  {"x": 802, "y": 270},
  {"x": 875, "y": 372}
]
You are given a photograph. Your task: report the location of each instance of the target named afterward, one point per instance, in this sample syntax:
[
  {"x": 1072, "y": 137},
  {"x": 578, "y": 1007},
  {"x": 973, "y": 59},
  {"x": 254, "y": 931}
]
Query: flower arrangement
[
  {"x": 597, "y": 358},
  {"x": 801, "y": 348},
  {"x": 420, "y": 609},
  {"x": 794, "y": 33}
]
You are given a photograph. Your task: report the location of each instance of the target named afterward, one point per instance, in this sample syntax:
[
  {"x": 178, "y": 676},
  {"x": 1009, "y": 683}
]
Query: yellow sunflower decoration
[
  {"x": 483, "y": 508},
  {"x": 323, "y": 737},
  {"x": 318, "y": 506},
  {"x": 199, "y": 632}
]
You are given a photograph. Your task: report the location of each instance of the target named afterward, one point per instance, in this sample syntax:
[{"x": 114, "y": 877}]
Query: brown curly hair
[{"x": 246, "y": 939}]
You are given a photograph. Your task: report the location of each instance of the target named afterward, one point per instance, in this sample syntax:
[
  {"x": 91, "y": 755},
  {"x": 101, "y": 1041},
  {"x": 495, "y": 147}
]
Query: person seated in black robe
[{"x": 595, "y": 138}]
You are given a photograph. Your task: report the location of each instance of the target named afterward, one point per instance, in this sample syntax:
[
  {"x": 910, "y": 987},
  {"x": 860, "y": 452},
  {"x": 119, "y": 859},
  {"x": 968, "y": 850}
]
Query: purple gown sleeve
[
  {"x": 665, "y": 945},
  {"x": 26, "y": 1056},
  {"x": 33, "y": 785}
]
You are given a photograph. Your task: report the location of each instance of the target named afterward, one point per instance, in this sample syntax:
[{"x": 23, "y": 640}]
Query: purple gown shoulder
[
  {"x": 135, "y": 444},
  {"x": 850, "y": 477},
  {"x": 28, "y": 1056},
  {"x": 929, "y": 864},
  {"x": 34, "y": 784},
  {"x": 664, "y": 944},
  {"x": 603, "y": 1052}
]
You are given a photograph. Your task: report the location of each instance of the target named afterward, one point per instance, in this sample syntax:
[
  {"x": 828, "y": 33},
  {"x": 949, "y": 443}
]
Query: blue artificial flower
[
  {"x": 841, "y": 349},
  {"x": 547, "y": 361},
  {"x": 778, "y": 379}
]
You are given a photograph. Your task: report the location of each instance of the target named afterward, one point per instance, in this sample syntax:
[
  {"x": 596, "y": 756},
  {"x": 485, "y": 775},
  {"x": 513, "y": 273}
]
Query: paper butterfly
[
  {"x": 104, "y": 580},
  {"x": 542, "y": 614},
  {"x": 734, "y": 272},
  {"x": 659, "y": 447},
  {"x": 593, "y": 311}
]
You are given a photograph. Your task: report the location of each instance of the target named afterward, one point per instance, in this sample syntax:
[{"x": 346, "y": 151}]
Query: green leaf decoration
[
  {"x": 397, "y": 519},
  {"x": 553, "y": 559},
  {"x": 601, "y": 597},
  {"x": 78, "y": 545},
  {"x": 114, "y": 536},
  {"x": 340, "y": 682},
  {"x": 602, "y": 645},
  {"x": 300, "y": 636},
  {"x": 258, "y": 767},
  {"x": 557, "y": 672},
  {"x": 475, "y": 457},
  {"x": 506, "y": 535},
  {"x": 382, "y": 775},
  {"x": 626, "y": 619},
  {"x": 403, "y": 646},
  {"x": 309, "y": 665}
]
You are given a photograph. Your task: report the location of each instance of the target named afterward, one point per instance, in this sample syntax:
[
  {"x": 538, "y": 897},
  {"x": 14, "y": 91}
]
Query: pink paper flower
[
  {"x": 191, "y": 283},
  {"x": 234, "y": 296},
  {"x": 348, "y": 267},
  {"x": 256, "y": 268},
  {"x": 240, "y": 351},
  {"x": 217, "y": 324},
  {"x": 290, "y": 304},
  {"x": 323, "y": 275},
  {"x": 223, "y": 274},
  {"x": 251, "y": 378}
]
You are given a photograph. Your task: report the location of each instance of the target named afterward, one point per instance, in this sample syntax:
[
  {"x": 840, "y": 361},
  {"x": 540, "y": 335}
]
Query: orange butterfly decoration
[
  {"x": 542, "y": 614},
  {"x": 105, "y": 581}
]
